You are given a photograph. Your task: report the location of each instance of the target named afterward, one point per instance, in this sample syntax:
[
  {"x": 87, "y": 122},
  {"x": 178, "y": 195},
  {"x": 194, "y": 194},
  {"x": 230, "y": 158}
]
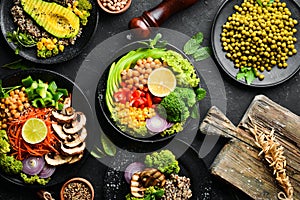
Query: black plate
[
  {"x": 110, "y": 127},
  {"x": 7, "y": 25},
  {"x": 276, "y": 75},
  {"x": 79, "y": 102},
  {"x": 191, "y": 166}
]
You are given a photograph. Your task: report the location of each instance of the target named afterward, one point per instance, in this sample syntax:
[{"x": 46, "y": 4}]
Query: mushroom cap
[
  {"x": 74, "y": 150},
  {"x": 77, "y": 124},
  {"x": 76, "y": 139},
  {"x": 61, "y": 118},
  {"x": 57, "y": 159}
]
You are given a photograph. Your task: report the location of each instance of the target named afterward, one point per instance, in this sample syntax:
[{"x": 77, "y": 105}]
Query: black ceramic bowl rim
[
  {"x": 61, "y": 169},
  {"x": 100, "y": 96}
]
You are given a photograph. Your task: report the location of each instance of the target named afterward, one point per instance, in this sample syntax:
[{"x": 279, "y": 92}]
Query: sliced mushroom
[
  {"x": 63, "y": 118},
  {"x": 76, "y": 158},
  {"x": 69, "y": 111},
  {"x": 77, "y": 139},
  {"x": 67, "y": 104},
  {"x": 152, "y": 177},
  {"x": 56, "y": 159},
  {"x": 76, "y": 125},
  {"x": 59, "y": 131},
  {"x": 73, "y": 151},
  {"x": 135, "y": 187}
]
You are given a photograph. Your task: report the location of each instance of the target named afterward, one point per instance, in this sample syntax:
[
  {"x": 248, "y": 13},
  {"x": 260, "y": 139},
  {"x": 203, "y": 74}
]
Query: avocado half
[{"x": 54, "y": 18}]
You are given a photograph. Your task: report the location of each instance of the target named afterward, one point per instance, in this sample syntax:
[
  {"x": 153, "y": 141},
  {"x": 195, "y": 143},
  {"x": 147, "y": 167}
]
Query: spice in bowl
[
  {"x": 114, "y": 6},
  {"x": 77, "y": 188}
]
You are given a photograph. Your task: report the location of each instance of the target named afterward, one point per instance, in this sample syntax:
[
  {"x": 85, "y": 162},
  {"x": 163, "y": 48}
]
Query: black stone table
[{"x": 197, "y": 18}]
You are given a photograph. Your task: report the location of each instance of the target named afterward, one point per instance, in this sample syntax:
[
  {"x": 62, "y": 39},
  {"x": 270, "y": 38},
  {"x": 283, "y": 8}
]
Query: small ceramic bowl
[
  {"x": 84, "y": 186},
  {"x": 114, "y": 6}
]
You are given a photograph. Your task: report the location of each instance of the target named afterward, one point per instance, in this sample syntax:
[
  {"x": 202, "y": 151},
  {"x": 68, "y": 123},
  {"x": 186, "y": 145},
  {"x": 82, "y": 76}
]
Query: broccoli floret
[
  {"x": 10, "y": 165},
  {"x": 173, "y": 108},
  {"x": 164, "y": 161},
  {"x": 187, "y": 94},
  {"x": 177, "y": 127},
  {"x": 4, "y": 144}
]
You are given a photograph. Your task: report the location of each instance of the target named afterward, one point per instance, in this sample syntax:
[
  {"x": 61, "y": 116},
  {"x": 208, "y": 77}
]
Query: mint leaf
[
  {"x": 198, "y": 37},
  {"x": 246, "y": 73},
  {"x": 240, "y": 75},
  {"x": 250, "y": 76},
  {"x": 202, "y": 53},
  {"x": 191, "y": 46}
]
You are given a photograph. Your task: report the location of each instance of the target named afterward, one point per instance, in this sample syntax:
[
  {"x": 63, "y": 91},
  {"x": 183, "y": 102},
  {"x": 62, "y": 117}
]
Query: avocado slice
[{"x": 54, "y": 18}]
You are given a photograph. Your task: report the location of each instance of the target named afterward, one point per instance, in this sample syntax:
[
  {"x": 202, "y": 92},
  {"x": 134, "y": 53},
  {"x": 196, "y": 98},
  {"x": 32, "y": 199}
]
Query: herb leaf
[
  {"x": 247, "y": 73},
  {"x": 16, "y": 65},
  {"x": 202, "y": 53},
  {"x": 191, "y": 47},
  {"x": 156, "y": 42},
  {"x": 198, "y": 37},
  {"x": 109, "y": 148},
  {"x": 259, "y": 2}
]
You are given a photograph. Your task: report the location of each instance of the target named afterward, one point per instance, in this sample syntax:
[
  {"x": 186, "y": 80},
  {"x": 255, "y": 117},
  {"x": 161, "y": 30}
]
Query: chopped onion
[
  {"x": 133, "y": 168},
  {"x": 157, "y": 124},
  {"x": 47, "y": 171},
  {"x": 33, "y": 165}
]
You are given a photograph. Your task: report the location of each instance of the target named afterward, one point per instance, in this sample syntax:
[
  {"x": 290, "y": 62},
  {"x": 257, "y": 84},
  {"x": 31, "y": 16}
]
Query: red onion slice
[
  {"x": 131, "y": 169},
  {"x": 47, "y": 171},
  {"x": 33, "y": 165},
  {"x": 156, "y": 124}
]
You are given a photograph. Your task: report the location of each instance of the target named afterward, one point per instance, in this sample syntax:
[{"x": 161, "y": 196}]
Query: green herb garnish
[
  {"x": 156, "y": 42},
  {"x": 246, "y": 73},
  {"x": 4, "y": 92},
  {"x": 16, "y": 65},
  {"x": 193, "y": 47},
  {"x": 109, "y": 148},
  {"x": 20, "y": 39}
]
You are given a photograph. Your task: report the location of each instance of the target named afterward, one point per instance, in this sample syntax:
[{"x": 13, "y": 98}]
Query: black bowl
[
  {"x": 191, "y": 166},
  {"x": 121, "y": 138},
  {"x": 71, "y": 51},
  {"x": 79, "y": 102},
  {"x": 276, "y": 75}
]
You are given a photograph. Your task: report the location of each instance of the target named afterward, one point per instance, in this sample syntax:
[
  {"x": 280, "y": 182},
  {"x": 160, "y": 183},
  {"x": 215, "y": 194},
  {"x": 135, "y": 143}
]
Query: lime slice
[
  {"x": 34, "y": 131},
  {"x": 161, "y": 82}
]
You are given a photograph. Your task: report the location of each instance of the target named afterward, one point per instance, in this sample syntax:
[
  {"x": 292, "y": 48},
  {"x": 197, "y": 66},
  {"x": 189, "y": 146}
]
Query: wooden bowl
[
  {"x": 70, "y": 183},
  {"x": 106, "y": 9}
]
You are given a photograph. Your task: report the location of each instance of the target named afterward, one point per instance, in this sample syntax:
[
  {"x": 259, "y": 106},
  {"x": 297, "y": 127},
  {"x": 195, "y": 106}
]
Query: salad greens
[
  {"x": 34, "y": 179},
  {"x": 10, "y": 165},
  {"x": 151, "y": 193},
  {"x": 4, "y": 92},
  {"x": 165, "y": 161},
  {"x": 4, "y": 143}
]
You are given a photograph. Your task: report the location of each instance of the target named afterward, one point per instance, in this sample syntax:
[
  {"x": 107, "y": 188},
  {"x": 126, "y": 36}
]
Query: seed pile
[
  {"x": 138, "y": 76},
  {"x": 12, "y": 106},
  {"x": 177, "y": 187},
  {"x": 114, "y": 5},
  {"x": 260, "y": 36},
  {"x": 77, "y": 190}
]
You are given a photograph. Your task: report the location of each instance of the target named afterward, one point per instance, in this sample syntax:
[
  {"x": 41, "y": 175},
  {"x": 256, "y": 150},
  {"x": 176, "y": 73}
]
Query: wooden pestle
[{"x": 157, "y": 15}]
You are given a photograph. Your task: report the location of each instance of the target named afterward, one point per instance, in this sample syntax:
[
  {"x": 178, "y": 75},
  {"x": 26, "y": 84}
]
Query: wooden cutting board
[{"x": 238, "y": 162}]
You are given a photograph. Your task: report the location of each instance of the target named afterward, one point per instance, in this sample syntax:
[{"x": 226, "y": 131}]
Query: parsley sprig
[{"x": 246, "y": 73}]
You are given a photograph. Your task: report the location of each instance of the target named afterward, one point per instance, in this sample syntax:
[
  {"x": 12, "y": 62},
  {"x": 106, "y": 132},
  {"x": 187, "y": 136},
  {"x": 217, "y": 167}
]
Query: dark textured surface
[{"x": 197, "y": 18}]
